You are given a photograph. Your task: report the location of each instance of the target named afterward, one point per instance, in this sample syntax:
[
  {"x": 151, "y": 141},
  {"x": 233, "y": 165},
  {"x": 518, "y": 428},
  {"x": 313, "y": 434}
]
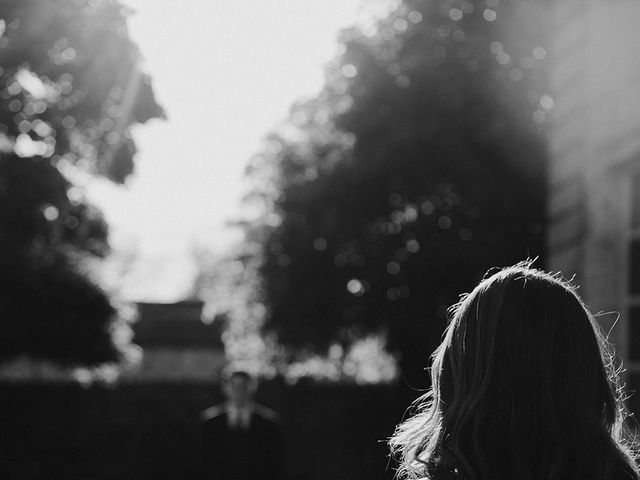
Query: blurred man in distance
[{"x": 241, "y": 440}]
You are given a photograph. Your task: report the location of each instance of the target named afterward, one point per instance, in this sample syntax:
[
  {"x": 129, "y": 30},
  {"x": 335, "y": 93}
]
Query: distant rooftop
[{"x": 175, "y": 325}]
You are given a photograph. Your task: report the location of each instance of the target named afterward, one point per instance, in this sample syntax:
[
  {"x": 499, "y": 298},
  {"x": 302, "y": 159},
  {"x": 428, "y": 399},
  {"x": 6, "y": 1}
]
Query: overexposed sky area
[{"x": 226, "y": 72}]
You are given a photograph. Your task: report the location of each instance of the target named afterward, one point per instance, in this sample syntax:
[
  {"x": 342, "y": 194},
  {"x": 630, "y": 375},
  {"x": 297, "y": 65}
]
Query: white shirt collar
[{"x": 239, "y": 416}]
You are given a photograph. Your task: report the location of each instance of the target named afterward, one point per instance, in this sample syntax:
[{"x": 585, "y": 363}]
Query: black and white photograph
[{"x": 319, "y": 239}]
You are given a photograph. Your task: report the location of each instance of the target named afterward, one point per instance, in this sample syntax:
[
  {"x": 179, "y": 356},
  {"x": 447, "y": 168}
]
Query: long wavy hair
[{"x": 523, "y": 386}]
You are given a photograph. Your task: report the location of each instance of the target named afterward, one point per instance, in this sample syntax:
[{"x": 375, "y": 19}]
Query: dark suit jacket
[{"x": 236, "y": 454}]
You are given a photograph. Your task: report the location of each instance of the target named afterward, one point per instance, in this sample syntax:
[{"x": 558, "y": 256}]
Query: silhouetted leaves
[
  {"x": 70, "y": 90},
  {"x": 415, "y": 169}
]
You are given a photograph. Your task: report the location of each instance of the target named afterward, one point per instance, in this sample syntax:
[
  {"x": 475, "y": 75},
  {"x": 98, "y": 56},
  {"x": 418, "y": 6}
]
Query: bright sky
[{"x": 226, "y": 73}]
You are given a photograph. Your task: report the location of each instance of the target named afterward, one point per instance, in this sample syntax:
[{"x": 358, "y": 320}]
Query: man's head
[{"x": 239, "y": 387}]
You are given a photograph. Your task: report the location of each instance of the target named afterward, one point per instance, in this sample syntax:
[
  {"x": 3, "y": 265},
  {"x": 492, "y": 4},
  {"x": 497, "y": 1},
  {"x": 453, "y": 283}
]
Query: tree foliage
[
  {"x": 418, "y": 166},
  {"x": 70, "y": 88}
]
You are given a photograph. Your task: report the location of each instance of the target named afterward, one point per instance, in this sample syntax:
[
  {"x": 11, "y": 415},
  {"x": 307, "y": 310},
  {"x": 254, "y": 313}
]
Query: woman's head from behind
[{"x": 523, "y": 386}]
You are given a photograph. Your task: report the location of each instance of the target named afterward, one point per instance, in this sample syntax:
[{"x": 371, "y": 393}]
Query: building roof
[{"x": 175, "y": 325}]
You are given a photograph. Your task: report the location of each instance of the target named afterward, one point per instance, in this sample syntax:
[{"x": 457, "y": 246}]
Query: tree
[
  {"x": 71, "y": 88},
  {"x": 419, "y": 166}
]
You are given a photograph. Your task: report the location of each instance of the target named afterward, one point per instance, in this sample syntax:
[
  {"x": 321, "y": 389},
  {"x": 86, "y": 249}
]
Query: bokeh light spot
[
  {"x": 414, "y": 17},
  {"x": 68, "y": 54},
  {"x": 539, "y": 116},
  {"x": 489, "y": 15},
  {"x": 400, "y": 24},
  {"x": 393, "y": 268},
  {"x": 24, "y": 126},
  {"x": 320, "y": 244},
  {"x": 444, "y": 222},
  {"x": 465, "y": 234},
  {"x": 75, "y": 194},
  {"x": 546, "y": 102},
  {"x": 355, "y": 287},
  {"x": 349, "y": 70},
  {"x": 503, "y": 58},
  {"x": 444, "y": 31},
  {"x": 427, "y": 207},
  {"x": 15, "y": 105},
  {"x": 50, "y": 212},
  {"x": 459, "y": 36},
  {"x": 413, "y": 246},
  {"x": 456, "y": 14},
  {"x": 410, "y": 214},
  {"x": 72, "y": 222},
  {"x": 539, "y": 53},
  {"x": 340, "y": 260}
]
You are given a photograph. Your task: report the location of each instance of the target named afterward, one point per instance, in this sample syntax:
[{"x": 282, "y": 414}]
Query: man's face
[{"x": 239, "y": 391}]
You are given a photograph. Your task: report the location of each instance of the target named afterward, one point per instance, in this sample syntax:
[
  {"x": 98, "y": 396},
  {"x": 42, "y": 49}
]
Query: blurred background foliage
[
  {"x": 70, "y": 90},
  {"x": 419, "y": 165}
]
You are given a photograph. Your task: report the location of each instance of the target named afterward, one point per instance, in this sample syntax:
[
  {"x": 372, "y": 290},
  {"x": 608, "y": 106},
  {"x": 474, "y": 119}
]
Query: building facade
[
  {"x": 594, "y": 180},
  {"x": 177, "y": 345}
]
